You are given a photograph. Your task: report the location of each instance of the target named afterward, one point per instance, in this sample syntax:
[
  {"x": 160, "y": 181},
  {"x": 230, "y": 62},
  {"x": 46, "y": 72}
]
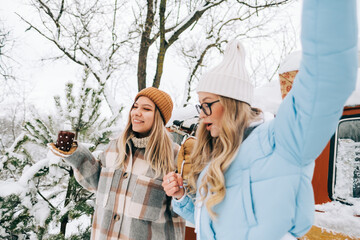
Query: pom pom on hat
[
  {"x": 161, "y": 99},
  {"x": 230, "y": 78}
]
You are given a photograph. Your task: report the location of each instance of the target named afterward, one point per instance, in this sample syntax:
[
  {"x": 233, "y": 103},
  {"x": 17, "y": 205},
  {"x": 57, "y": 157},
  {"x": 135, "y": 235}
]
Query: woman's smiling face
[{"x": 142, "y": 116}]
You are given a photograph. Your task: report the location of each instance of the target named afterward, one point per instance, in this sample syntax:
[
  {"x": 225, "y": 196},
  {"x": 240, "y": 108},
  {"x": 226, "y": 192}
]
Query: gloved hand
[
  {"x": 184, "y": 163},
  {"x": 61, "y": 153}
]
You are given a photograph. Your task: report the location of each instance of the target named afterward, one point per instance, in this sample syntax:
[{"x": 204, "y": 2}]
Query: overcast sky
[{"x": 47, "y": 78}]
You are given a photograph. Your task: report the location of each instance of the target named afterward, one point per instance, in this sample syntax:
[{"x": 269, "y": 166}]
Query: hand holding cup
[
  {"x": 173, "y": 185},
  {"x": 65, "y": 140}
]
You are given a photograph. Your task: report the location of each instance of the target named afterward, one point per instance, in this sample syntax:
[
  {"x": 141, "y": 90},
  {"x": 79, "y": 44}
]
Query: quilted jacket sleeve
[
  {"x": 185, "y": 208},
  {"x": 309, "y": 114}
]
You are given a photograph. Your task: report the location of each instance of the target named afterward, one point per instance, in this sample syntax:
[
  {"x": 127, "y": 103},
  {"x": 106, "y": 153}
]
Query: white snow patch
[
  {"x": 291, "y": 62},
  {"x": 41, "y": 212},
  {"x": 26, "y": 201},
  {"x": 17, "y": 140},
  {"x": 87, "y": 145},
  {"x": 268, "y": 97},
  {"x": 7, "y": 188},
  {"x": 182, "y": 114},
  {"x": 340, "y": 218},
  {"x": 78, "y": 225},
  {"x": 2, "y": 231},
  {"x": 29, "y": 174},
  {"x": 55, "y": 172}
]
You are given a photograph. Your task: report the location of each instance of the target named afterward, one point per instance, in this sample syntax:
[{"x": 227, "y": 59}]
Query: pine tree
[{"x": 39, "y": 195}]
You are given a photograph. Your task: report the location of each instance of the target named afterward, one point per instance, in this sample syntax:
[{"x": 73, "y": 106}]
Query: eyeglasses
[{"x": 205, "y": 107}]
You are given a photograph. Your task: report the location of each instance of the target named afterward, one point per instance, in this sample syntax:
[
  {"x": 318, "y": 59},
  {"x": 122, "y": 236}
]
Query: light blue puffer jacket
[{"x": 269, "y": 191}]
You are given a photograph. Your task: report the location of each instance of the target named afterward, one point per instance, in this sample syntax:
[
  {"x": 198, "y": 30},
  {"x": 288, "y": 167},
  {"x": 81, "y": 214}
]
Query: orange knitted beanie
[{"x": 161, "y": 99}]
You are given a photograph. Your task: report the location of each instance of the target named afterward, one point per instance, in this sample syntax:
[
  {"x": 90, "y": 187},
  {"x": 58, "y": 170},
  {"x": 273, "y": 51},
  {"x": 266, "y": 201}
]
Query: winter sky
[{"x": 46, "y": 79}]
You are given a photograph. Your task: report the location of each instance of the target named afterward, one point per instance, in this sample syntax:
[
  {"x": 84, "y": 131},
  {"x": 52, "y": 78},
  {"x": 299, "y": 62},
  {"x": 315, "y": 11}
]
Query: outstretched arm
[
  {"x": 309, "y": 114},
  {"x": 86, "y": 167}
]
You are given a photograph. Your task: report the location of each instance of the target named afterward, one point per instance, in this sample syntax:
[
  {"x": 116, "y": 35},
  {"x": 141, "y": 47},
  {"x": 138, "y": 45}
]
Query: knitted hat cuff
[
  {"x": 227, "y": 86},
  {"x": 161, "y": 99}
]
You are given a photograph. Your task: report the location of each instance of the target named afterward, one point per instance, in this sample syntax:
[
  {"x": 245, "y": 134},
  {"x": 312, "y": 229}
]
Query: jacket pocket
[
  {"x": 103, "y": 190},
  {"x": 147, "y": 199},
  {"x": 247, "y": 198}
]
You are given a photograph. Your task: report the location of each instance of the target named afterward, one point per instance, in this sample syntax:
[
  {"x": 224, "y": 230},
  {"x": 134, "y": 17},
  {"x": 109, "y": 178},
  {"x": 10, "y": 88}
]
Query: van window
[{"x": 346, "y": 178}]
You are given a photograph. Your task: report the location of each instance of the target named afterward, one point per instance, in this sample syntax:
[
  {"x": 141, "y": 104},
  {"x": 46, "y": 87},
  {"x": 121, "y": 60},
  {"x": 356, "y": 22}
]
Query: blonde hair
[
  {"x": 159, "y": 151},
  {"x": 220, "y": 151}
]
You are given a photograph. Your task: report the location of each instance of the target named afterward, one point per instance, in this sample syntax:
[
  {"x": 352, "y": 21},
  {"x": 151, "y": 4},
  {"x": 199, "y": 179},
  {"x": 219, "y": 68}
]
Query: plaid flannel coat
[{"x": 130, "y": 203}]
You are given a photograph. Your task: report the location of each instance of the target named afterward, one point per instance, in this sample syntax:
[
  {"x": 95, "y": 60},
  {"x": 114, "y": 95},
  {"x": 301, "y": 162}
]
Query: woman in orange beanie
[{"x": 127, "y": 178}]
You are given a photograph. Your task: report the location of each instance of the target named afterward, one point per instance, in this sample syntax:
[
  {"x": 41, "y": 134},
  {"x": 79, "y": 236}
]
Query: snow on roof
[
  {"x": 291, "y": 62},
  {"x": 182, "y": 114},
  {"x": 337, "y": 217},
  {"x": 268, "y": 97}
]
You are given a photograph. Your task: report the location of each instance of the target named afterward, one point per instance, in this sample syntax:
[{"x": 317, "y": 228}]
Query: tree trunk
[
  {"x": 144, "y": 46},
  {"x": 163, "y": 46}
]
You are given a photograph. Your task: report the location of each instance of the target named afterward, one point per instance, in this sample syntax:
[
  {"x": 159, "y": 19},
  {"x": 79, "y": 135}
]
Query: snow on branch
[
  {"x": 30, "y": 172},
  {"x": 18, "y": 141},
  {"x": 21, "y": 186},
  {"x": 8, "y": 188}
]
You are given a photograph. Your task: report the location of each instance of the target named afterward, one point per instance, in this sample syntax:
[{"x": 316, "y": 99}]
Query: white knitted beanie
[{"x": 230, "y": 78}]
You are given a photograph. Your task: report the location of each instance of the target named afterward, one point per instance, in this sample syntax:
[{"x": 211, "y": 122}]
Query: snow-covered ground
[{"x": 340, "y": 218}]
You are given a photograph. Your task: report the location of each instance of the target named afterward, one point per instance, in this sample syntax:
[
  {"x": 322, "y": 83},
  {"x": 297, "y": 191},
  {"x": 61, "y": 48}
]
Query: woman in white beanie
[{"x": 259, "y": 186}]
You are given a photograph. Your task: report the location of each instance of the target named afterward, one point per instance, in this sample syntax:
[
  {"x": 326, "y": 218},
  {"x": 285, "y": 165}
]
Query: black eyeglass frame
[{"x": 202, "y": 107}]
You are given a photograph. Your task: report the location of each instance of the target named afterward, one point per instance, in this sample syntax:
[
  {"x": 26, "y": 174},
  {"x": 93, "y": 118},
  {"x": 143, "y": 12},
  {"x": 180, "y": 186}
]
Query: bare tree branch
[
  {"x": 197, "y": 66},
  {"x": 6, "y": 61},
  {"x": 195, "y": 16},
  {"x": 164, "y": 45},
  {"x": 95, "y": 35},
  {"x": 217, "y": 33},
  {"x": 265, "y": 5},
  {"x": 81, "y": 50}
]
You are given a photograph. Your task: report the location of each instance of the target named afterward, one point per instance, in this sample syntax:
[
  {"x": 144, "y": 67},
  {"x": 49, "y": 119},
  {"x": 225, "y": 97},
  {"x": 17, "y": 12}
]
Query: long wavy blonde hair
[
  {"x": 219, "y": 151},
  {"x": 159, "y": 151}
]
